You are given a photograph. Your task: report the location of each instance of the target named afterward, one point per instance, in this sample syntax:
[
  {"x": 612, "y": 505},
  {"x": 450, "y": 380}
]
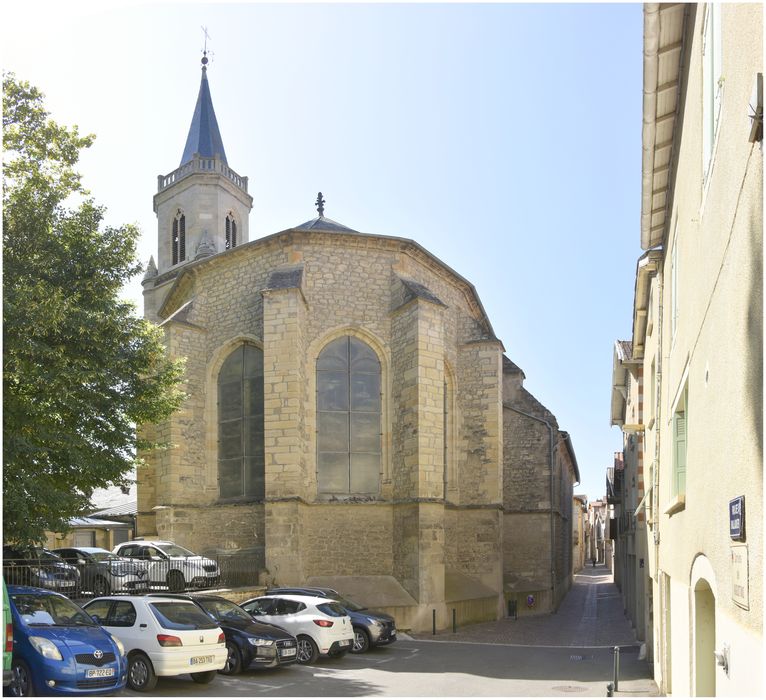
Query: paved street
[{"x": 566, "y": 654}]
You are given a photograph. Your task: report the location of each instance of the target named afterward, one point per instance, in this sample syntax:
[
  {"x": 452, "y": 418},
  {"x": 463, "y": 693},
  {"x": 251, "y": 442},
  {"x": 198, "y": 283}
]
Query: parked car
[
  {"x": 320, "y": 625},
  {"x": 39, "y": 567},
  {"x": 249, "y": 643},
  {"x": 371, "y": 628},
  {"x": 102, "y": 572},
  {"x": 170, "y": 565},
  {"x": 8, "y": 647},
  {"x": 59, "y": 650},
  {"x": 163, "y": 636}
]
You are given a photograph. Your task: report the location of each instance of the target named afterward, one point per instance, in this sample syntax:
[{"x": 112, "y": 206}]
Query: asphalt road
[{"x": 427, "y": 669}]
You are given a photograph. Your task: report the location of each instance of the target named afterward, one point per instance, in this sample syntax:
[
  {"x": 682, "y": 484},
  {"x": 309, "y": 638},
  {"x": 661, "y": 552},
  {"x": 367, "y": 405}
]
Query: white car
[
  {"x": 321, "y": 626},
  {"x": 162, "y": 637},
  {"x": 170, "y": 565}
]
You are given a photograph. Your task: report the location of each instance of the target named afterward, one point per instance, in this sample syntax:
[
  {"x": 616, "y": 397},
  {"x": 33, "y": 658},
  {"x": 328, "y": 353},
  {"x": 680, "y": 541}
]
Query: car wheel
[
  {"x": 233, "y": 660},
  {"x": 141, "y": 676},
  {"x": 361, "y": 641},
  {"x": 101, "y": 586},
  {"x": 307, "y": 652},
  {"x": 175, "y": 581},
  {"x": 22, "y": 685},
  {"x": 203, "y": 676}
]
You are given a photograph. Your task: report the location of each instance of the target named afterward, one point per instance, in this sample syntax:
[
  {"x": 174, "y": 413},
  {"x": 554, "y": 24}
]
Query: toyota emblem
[{"x": 98, "y": 654}]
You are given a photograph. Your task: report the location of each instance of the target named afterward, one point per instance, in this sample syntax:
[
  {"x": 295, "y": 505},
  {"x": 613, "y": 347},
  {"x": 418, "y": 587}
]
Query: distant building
[
  {"x": 579, "y": 531},
  {"x": 696, "y": 353}
]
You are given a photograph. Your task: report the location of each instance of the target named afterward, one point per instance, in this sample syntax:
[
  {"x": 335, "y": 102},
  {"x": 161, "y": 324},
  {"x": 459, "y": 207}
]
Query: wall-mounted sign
[
  {"x": 740, "y": 589},
  {"x": 530, "y": 601},
  {"x": 737, "y": 518}
]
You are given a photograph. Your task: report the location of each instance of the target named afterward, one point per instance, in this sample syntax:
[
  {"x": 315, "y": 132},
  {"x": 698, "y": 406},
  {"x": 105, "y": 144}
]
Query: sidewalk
[{"x": 591, "y": 615}]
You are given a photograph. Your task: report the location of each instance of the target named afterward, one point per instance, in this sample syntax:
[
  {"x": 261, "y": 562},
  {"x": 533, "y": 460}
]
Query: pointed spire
[
  {"x": 151, "y": 269},
  {"x": 206, "y": 246},
  {"x": 204, "y": 136}
]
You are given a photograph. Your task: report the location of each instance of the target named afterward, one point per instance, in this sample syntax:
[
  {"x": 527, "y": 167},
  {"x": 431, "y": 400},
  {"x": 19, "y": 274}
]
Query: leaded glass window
[
  {"x": 348, "y": 418},
  {"x": 240, "y": 424}
]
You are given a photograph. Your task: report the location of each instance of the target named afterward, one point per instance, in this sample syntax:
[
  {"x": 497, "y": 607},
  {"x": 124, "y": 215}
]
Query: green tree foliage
[{"x": 80, "y": 368}]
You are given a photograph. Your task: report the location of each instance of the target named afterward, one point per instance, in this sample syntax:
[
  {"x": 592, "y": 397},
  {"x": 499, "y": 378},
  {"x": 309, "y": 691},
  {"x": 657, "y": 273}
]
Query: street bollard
[
  {"x": 454, "y": 622},
  {"x": 616, "y": 668},
  {"x": 609, "y": 690},
  {"x": 434, "y": 617}
]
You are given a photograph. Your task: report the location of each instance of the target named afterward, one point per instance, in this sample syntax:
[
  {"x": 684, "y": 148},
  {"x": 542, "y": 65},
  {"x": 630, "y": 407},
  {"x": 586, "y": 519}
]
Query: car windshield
[
  {"x": 180, "y": 615},
  {"x": 103, "y": 555},
  {"x": 173, "y": 550},
  {"x": 332, "y": 609},
  {"x": 223, "y": 610},
  {"x": 40, "y": 610},
  {"x": 348, "y": 604}
]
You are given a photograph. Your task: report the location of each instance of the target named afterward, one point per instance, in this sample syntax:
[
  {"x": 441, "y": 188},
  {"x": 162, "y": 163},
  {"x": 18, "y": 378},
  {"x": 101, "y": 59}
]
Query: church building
[{"x": 345, "y": 412}]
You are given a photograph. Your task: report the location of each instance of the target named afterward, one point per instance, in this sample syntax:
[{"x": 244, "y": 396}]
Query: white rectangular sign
[{"x": 740, "y": 590}]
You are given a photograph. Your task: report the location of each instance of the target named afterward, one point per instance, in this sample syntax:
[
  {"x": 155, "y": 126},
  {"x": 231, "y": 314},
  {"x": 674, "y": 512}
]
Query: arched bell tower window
[
  {"x": 348, "y": 418},
  {"x": 240, "y": 424},
  {"x": 179, "y": 238},
  {"x": 231, "y": 231}
]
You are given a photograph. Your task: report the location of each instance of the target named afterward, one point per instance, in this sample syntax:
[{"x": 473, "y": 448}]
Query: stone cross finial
[{"x": 320, "y": 204}]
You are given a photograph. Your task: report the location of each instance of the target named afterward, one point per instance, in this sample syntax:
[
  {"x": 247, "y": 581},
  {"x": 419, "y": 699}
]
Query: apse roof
[
  {"x": 204, "y": 136},
  {"x": 322, "y": 223}
]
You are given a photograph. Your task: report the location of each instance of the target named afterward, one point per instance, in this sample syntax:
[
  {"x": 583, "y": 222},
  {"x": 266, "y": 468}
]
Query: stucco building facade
[
  {"x": 345, "y": 415},
  {"x": 697, "y": 342}
]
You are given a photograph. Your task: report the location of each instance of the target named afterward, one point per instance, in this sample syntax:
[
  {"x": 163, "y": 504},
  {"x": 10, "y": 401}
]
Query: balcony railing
[{"x": 198, "y": 164}]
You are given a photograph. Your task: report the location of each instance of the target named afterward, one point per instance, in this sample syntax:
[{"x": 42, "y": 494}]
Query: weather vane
[
  {"x": 204, "y": 50},
  {"x": 320, "y": 204}
]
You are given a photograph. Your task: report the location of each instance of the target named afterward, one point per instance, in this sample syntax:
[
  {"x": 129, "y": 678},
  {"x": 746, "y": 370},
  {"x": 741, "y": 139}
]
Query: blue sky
[{"x": 504, "y": 138}]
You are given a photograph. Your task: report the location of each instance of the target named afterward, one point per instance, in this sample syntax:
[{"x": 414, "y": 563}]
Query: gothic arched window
[
  {"x": 179, "y": 238},
  {"x": 231, "y": 232},
  {"x": 240, "y": 424},
  {"x": 348, "y": 418}
]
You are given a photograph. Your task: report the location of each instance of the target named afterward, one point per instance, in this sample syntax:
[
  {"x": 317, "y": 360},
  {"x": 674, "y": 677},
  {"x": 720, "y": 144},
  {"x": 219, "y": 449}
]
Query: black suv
[
  {"x": 36, "y": 566},
  {"x": 248, "y": 642},
  {"x": 371, "y": 628}
]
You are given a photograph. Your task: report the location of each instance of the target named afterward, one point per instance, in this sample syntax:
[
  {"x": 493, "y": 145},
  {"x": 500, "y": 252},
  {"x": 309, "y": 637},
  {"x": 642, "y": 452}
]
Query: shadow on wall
[{"x": 754, "y": 359}]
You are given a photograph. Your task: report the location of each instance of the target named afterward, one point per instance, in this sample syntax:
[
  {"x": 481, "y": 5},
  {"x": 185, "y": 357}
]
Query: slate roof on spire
[
  {"x": 322, "y": 223},
  {"x": 204, "y": 136}
]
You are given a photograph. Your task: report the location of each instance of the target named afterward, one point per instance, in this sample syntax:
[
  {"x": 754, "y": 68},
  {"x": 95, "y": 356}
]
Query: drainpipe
[{"x": 550, "y": 462}]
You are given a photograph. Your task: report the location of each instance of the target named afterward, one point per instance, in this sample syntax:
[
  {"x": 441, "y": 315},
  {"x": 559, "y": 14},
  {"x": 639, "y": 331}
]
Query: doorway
[{"x": 704, "y": 640}]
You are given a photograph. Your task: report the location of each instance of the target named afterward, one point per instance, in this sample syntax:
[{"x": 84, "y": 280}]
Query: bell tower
[{"x": 202, "y": 206}]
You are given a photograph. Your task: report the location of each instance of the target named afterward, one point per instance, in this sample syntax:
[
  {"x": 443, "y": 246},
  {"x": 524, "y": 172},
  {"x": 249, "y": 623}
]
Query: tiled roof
[
  {"x": 624, "y": 349},
  {"x": 322, "y": 223}
]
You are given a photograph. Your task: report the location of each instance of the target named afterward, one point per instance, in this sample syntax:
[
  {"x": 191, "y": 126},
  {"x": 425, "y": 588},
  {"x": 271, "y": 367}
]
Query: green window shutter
[{"x": 680, "y": 453}]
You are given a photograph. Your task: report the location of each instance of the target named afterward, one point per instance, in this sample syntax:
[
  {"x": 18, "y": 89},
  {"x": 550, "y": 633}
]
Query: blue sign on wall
[{"x": 737, "y": 518}]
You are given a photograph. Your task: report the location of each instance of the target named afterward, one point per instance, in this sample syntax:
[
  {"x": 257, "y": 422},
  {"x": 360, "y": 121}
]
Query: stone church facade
[{"x": 344, "y": 420}]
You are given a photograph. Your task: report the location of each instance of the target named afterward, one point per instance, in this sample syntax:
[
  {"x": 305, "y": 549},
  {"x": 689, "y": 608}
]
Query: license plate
[
  {"x": 344, "y": 642},
  {"x": 290, "y": 651},
  {"x": 201, "y": 660},
  {"x": 99, "y": 672}
]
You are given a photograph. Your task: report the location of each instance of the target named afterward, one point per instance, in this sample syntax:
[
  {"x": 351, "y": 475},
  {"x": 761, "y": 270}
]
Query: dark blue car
[{"x": 58, "y": 649}]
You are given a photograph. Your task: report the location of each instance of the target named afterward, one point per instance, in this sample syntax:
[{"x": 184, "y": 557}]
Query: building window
[
  {"x": 680, "y": 429},
  {"x": 712, "y": 83},
  {"x": 348, "y": 418},
  {"x": 231, "y": 232},
  {"x": 240, "y": 424},
  {"x": 446, "y": 436},
  {"x": 179, "y": 238}
]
